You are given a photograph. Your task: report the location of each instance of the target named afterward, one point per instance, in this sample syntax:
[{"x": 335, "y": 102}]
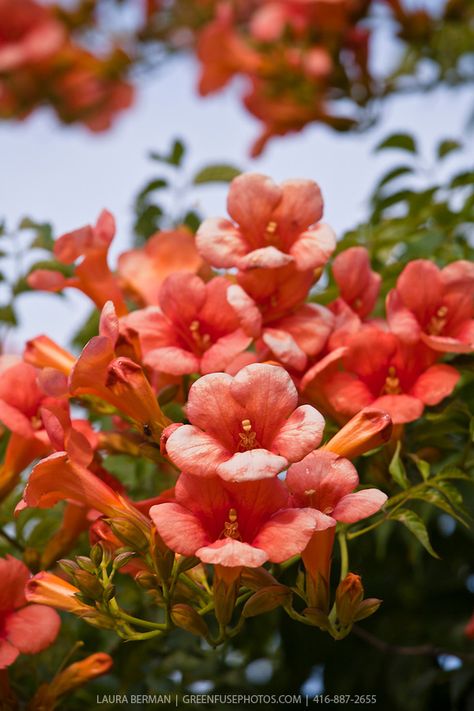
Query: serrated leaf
[
  {"x": 415, "y": 525},
  {"x": 218, "y": 173},
  {"x": 447, "y": 146},
  {"x": 397, "y": 469},
  {"x": 400, "y": 141}
]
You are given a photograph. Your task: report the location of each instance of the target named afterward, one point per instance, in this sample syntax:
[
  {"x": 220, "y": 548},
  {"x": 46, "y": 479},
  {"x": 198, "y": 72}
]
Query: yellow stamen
[
  {"x": 202, "y": 341},
  {"x": 438, "y": 322},
  {"x": 392, "y": 383},
  {"x": 231, "y": 526},
  {"x": 248, "y": 438}
]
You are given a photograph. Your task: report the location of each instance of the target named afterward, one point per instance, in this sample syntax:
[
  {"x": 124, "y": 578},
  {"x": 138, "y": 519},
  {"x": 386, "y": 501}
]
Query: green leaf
[
  {"x": 7, "y": 315},
  {"x": 422, "y": 466},
  {"x": 150, "y": 187},
  {"x": 436, "y": 498},
  {"x": 394, "y": 173},
  {"x": 447, "y": 146},
  {"x": 44, "y": 233},
  {"x": 174, "y": 157},
  {"x": 192, "y": 220},
  {"x": 218, "y": 173},
  {"x": 453, "y": 473},
  {"x": 400, "y": 141},
  {"x": 415, "y": 525},
  {"x": 462, "y": 179},
  {"x": 397, "y": 469}
]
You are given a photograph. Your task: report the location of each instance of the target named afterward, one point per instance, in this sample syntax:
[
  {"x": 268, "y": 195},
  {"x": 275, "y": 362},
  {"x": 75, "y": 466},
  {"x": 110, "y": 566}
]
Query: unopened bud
[
  {"x": 97, "y": 554},
  {"x": 225, "y": 588},
  {"x": 164, "y": 563},
  {"x": 96, "y": 619},
  {"x": 317, "y": 617},
  {"x": 266, "y": 599},
  {"x": 256, "y": 578},
  {"x": 129, "y": 533},
  {"x": 187, "y": 563},
  {"x": 367, "y": 608},
  {"x": 68, "y": 566},
  {"x": 85, "y": 563},
  {"x": 122, "y": 559},
  {"x": 88, "y": 584},
  {"x": 146, "y": 580},
  {"x": 349, "y": 595},
  {"x": 188, "y": 619}
]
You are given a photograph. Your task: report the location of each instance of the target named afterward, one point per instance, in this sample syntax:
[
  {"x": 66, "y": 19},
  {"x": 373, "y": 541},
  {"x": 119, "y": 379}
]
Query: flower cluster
[
  {"x": 215, "y": 377},
  {"x": 40, "y": 62},
  {"x": 299, "y": 58}
]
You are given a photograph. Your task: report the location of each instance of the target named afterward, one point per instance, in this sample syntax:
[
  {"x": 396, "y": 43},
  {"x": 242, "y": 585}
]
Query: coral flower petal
[
  {"x": 300, "y": 434},
  {"x": 43, "y": 620}
]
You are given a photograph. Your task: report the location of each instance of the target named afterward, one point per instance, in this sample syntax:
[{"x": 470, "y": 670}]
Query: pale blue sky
[{"x": 67, "y": 175}]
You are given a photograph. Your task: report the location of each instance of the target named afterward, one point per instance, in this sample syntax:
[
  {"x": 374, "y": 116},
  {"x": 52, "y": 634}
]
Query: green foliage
[
  {"x": 169, "y": 199},
  {"x": 218, "y": 173},
  {"x": 400, "y": 141}
]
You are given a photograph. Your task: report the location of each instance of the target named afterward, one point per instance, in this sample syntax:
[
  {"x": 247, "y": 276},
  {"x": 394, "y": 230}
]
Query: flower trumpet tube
[
  {"x": 88, "y": 246},
  {"x": 57, "y": 478},
  {"x": 49, "y": 589},
  {"x": 367, "y": 430},
  {"x": 326, "y": 481},
  {"x": 43, "y": 352},
  {"x": 71, "y": 678}
]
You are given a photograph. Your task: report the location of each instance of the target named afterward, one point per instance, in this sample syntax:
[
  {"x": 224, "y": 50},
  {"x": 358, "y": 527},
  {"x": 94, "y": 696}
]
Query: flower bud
[
  {"x": 369, "y": 429},
  {"x": 267, "y": 599},
  {"x": 367, "y": 608},
  {"x": 129, "y": 533},
  {"x": 349, "y": 595},
  {"x": 187, "y": 563},
  {"x": 188, "y": 619},
  {"x": 146, "y": 580},
  {"x": 85, "y": 563},
  {"x": 225, "y": 588},
  {"x": 97, "y": 619},
  {"x": 88, "y": 584},
  {"x": 256, "y": 578},
  {"x": 68, "y": 566},
  {"x": 96, "y": 554},
  {"x": 317, "y": 617},
  {"x": 79, "y": 673},
  {"x": 122, "y": 559}
]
